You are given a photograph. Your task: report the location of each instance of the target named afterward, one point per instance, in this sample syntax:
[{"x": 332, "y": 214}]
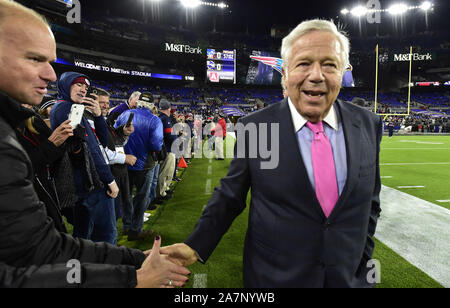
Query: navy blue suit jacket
[{"x": 289, "y": 241}]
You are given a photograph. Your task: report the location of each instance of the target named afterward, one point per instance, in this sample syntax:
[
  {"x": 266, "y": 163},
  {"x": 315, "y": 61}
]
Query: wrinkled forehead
[
  {"x": 318, "y": 43},
  {"x": 319, "y": 39},
  {"x": 102, "y": 99}
]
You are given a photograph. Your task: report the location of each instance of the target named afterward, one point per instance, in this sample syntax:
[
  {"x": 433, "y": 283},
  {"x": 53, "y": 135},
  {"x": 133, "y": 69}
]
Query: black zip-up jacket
[{"x": 32, "y": 252}]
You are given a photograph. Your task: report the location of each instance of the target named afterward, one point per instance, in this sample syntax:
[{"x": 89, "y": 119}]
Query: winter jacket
[
  {"x": 44, "y": 156},
  {"x": 220, "y": 130},
  {"x": 60, "y": 113},
  {"x": 32, "y": 252},
  {"x": 169, "y": 138},
  {"x": 147, "y": 136}
]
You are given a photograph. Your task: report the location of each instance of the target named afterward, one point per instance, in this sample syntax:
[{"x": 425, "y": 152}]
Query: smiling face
[
  {"x": 104, "y": 104},
  {"x": 77, "y": 92},
  {"x": 26, "y": 53},
  {"x": 314, "y": 74}
]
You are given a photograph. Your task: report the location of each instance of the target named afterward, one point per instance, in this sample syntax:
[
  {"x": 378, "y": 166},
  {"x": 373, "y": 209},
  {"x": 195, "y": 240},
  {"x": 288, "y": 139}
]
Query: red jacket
[{"x": 221, "y": 129}]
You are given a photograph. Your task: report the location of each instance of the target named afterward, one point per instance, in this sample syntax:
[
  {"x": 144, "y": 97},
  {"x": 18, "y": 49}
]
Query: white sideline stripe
[
  {"x": 418, "y": 231},
  {"x": 443, "y": 201},
  {"x": 208, "y": 187},
  {"x": 421, "y": 142},
  {"x": 209, "y": 170},
  {"x": 424, "y": 142},
  {"x": 415, "y": 148},
  {"x": 386, "y": 177},
  {"x": 406, "y": 164},
  {"x": 200, "y": 281},
  {"x": 410, "y": 186}
]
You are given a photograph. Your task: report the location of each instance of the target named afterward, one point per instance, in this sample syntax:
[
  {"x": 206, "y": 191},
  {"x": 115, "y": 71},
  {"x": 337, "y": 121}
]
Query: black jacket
[
  {"x": 43, "y": 155},
  {"x": 32, "y": 252}
]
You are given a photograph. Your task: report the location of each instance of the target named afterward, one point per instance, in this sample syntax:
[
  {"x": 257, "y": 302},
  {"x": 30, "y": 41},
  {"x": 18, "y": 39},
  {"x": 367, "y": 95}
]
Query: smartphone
[
  {"x": 130, "y": 119},
  {"x": 76, "y": 114},
  {"x": 91, "y": 91}
]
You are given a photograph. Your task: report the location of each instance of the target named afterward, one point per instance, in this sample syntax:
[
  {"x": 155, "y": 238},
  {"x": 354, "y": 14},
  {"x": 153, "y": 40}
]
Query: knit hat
[{"x": 82, "y": 80}]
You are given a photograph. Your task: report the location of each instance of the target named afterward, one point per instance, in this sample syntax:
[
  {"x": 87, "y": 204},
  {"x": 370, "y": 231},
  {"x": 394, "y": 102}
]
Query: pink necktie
[{"x": 324, "y": 170}]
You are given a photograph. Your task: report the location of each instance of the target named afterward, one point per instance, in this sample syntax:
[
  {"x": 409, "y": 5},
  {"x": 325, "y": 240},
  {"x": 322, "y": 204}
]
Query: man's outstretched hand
[
  {"x": 180, "y": 254},
  {"x": 158, "y": 271}
]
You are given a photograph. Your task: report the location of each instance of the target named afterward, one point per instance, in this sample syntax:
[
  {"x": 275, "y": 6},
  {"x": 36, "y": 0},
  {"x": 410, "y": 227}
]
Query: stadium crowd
[{"x": 140, "y": 155}]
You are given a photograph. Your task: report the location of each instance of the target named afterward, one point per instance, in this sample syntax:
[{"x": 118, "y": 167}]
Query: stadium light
[
  {"x": 398, "y": 9},
  {"x": 196, "y": 3},
  {"x": 426, "y": 6},
  {"x": 345, "y": 12},
  {"x": 359, "y": 11},
  {"x": 190, "y": 3}
]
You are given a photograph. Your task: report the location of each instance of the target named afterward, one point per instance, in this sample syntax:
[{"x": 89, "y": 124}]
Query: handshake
[{"x": 166, "y": 267}]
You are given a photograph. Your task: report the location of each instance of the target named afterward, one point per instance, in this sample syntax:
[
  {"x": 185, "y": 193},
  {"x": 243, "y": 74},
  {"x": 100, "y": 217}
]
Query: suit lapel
[
  {"x": 293, "y": 157},
  {"x": 352, "y": 134}
]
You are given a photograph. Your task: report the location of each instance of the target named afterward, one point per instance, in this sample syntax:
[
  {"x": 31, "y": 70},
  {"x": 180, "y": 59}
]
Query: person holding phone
[
  {"x": 94, "y": 214},
  {"x": 46, "y": 149}
]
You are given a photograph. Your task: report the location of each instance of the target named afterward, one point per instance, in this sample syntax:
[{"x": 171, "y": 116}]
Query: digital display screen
[
  {"x": 66, "y": 2},
  {"x": 264, "y": 68},
  {"x": 221, "y": 66}
]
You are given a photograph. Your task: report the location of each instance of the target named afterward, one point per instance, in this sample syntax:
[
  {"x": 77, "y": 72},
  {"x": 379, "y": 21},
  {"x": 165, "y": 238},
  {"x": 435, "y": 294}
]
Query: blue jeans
[
  {"x": 152, "y": 195},
  {"x": 143, "y": 180},
  {"x": 94, "y": 218}
]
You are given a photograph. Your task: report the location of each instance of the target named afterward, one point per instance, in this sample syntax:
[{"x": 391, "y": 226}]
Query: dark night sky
[{"x": 257, "y": 15}]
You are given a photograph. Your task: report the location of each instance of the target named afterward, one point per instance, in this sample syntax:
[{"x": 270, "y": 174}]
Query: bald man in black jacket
[{"x": 32, "y": 252}]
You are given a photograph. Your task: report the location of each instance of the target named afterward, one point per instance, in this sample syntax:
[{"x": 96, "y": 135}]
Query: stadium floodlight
[
  {"x": 398, "y": 9},
  {"x": 190, "y": 3},
  {"x": 345, "y": 12},
  {"x": 426, "y": 5},
  {"x": 359, "y": 11},
  {"x": 222, "y": 5}
]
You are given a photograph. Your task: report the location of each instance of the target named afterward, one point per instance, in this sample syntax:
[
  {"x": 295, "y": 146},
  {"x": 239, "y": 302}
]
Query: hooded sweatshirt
[{"x": 60, "y": 113}]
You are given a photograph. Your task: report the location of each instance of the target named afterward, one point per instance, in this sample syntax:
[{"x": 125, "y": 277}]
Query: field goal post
[{"x": 409, "y": 87}]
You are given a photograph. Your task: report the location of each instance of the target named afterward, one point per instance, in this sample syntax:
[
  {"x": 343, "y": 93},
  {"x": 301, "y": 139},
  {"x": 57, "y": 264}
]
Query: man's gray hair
[
  {"x": 315, "y": 25},
  {"x": 134, "y": 94}
]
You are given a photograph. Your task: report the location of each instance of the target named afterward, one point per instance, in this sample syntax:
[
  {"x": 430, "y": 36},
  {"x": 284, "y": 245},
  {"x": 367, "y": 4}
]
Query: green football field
[
  {"x": 418, "y": 161},
  {"x": 404, "y": 161}
]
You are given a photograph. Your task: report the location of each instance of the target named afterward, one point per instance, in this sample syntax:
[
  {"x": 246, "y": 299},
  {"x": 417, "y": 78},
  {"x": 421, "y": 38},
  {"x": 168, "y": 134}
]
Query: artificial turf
[{"x": 422, "y": 161}]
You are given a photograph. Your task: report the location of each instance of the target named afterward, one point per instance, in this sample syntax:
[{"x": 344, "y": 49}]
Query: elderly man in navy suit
[{"x": 313, "y": 216}]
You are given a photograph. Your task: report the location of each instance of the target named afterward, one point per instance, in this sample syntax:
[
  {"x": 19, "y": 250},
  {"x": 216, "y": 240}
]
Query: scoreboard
[{"x": 221, "y": 66}]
